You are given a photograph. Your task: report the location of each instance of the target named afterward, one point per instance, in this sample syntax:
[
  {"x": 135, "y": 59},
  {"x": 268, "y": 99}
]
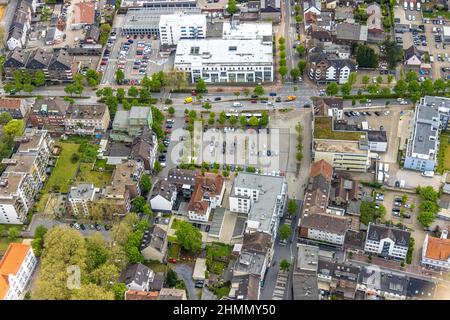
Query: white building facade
[
  {"x": 178, "y": 26},
  {"x": 220, "y": 60}
]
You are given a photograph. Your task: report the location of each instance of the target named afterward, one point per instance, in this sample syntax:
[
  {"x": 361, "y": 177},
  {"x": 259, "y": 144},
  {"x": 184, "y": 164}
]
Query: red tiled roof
[
  {"x": 438, "y": 249},
  {"x": 10, "y": 103},
  {"x": 321, "y": 168},
  {"x": 10, "y": 264},
  {"x": 210, "y": 183}
]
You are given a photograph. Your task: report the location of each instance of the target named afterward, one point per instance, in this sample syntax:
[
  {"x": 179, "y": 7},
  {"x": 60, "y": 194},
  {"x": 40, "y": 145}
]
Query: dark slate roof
[
  {"x": 155, "y": 239},
  {"x": 164, "y": 189},
  {"x": 39, "y": 60},
  {"x": 247, "y": 287},
  {"x": 354, "y": 239},
  {"x": 61, "y": 60},
  {"x": 376, "y": 232},
  {"x": 257, "y": 242},
  {"x": 412, "y": 51},
  {"x": 16, "y": 59},
  {"x": 136, "y": 272},
  {"x": 420, "y": 289},
  {"x": 377, "y": 136}
]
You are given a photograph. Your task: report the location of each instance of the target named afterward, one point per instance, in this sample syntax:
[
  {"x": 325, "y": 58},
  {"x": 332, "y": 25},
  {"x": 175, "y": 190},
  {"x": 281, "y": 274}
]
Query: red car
[
  {"x": 168, "y": 130},
  {"x": 193, "y": 93},
  {"x": 173, "y": 260},
  {"x": 253, "y": 101}
]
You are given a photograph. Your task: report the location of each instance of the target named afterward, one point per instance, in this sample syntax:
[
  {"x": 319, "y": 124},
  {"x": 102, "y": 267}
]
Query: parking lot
[{"x": 135, "y": 56}]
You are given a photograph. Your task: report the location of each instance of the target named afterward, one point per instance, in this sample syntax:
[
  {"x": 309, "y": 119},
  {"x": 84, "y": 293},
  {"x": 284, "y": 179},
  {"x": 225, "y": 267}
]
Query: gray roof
[
  {"x": 386, "y": 281},
  {"x": 155, "y": 239},
  {"x": 137, "y": 273},
  {"x": 82, "y": 191},
  {"x": 249, "y": 263},
  {"x": 341, "y": 271},
  {"x": 377, "y": 232},
  {"x": 270, "y": 187},
  {"x": 307, "y": 258},
  {"x": 149, "y": 17},
  {"x": 164, "y": 189},
  {"x": 305, "y": 286},
  {"x": 354, "y": 239},
  {"x": 376, "y": 136},
  {"x": 246, "y": 287},
  {"x": 426, "y": 123},
  {"x": 351, "y": 31},
  {"x": 121, "y": 118},
  {"x": 420, "y": 289},
  {"x": 140, "y": 112},
  {"x": 326, "y": 222},
  {"x": 182, "y": 176},
  {"x": 257, "y": 242}
]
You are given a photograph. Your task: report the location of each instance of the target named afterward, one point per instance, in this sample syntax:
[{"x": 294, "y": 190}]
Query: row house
[
  {"x": 57, "y": 66},
  {"x": 20, "y": 25},
  {"x": 86, "y": 119},
  {"x": 49, "y": 114}
]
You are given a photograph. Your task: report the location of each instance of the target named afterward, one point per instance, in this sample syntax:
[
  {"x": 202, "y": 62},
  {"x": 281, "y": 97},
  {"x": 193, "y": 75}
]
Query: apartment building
[
  {"x": 24, "y": 176},
  {"x": 262, "y": 198},
  {"x": 20, "y": 25},
  {"x": 127, "y": 4},
  {"x": 208, "y": 194},
  {"x": 80, "y": 198},
  {"x": 17, "y": 108},
  {"x": 387, "y": 241},
  {"x": 223, "y": 60},
  {"x": 318, "y": 188},
  {"x": 304, "y": 278},
  {"x": 178, "y": 26},
  {"x": 16, "y": 270},
  {"x": 49, "y": 114},
  {"x": 423, "y": 145},
  {"x": 436, "y": 252},
  {"x": 86, "y": 119},
  {"x": 235, "y": 30},
  {"x": 57, "y": 66},
  {"x": 324, "y": 227},
  {"x": 380, "y": 284},
  {"x": 325, "y": 68}
]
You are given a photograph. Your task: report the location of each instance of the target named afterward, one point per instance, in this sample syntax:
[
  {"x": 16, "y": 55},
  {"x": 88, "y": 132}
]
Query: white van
[
  {"x": 237, "y": 104},
  {"x": 428, "y": 174}
]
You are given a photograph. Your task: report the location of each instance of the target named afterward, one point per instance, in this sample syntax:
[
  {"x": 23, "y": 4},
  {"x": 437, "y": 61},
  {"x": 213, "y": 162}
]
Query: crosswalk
[{"x": 280, "y": 287}]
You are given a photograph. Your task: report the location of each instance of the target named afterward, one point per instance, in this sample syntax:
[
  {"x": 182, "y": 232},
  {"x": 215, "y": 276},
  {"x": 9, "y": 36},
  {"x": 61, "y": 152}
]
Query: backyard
[
  {"x": 444, "y": 153},
  {"x": 5, "y": 240},
  {"x": 217, "y": 257}
]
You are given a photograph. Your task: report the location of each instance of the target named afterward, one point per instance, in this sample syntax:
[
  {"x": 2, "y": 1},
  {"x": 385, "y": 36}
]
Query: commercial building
[
  {"x": 16, "y": 270},
  {"x": 325, "y": 68},
  {"x": 324, "y": 227},
  {"x": 339, "y": 279},
  {"x": 247, "y": 31},
  {"x": 49, "y": 114},
  {"x": 178, "y": 26},
  {"x": 146, "y": 20},
  {"x": 221, "y": 60},
  {"x": 24, "y": 176},
  {"x": 387, "y": 241},
  {"x": 262, "y": 198},
  {"x": 127, "y": 4},
  {"x": 423, "y": 145},
  {"x": 129, "y": 124},
  {"x": 304, "y": 279},
  {"x": 378, "y": 284},
  {"x": 342, "y": 155},
  {"x": 377, "y": 140},
  {"x": 436, "y": 252}
]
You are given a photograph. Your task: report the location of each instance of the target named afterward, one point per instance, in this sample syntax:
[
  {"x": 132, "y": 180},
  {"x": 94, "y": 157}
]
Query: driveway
[{"x": 185, "y": 272}]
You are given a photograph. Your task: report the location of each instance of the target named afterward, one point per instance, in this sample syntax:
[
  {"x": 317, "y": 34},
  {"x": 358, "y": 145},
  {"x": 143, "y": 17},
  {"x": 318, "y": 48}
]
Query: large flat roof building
[
  {"x": 176, "y": 26},
  {"x": 222, "y": 60},
  {"x": 127, "y": 4}
]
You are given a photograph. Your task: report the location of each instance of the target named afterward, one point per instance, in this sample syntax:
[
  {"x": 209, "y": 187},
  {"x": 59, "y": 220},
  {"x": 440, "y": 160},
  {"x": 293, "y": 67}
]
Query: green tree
[
  {"x": 157, "y": 167},
  {"x": 119, "y": 290},
  {"x": 171, "y": 278},
  {"x": 28, "y": 88},
  {"x": 92, "y": 77},
  {"x": 232, "y": 7},
  {"x": 427, "y": 87},
  {"x": 39, "y": 78},
  {"x": 366, "y": 57},
  {"x": 14, "y": 128},
  {"x": 259, "y": 90},
  {"x": 379, "y": 79},
  {"x": 13, "y": 233},
  {"x": 332, "y": 89},
  {"x": 233, "y": 120},
  {"x": 283, "y": 70},
  {"x": 439, "y": 85},
  {"x": 222, "y": 118},
  {"x": 295, "y": 73},
  {"x": 5, "y": 117},
  {"x": 301, "y": 65},
  {"x": 120, "y": 76},
  {"x": 373, "y": 88},
  {"x": 370, "y": 211},
  {"x": 253, "y": 121},
  {"x": 404, "y": 198},
  {"x": 200, "y": 87},
  {"x": 285, "y": 231},
  {"x": 189, "y": 237},
  {"x": 264, "y": 120},
  {"x": 145, "y": 184},
  {"x": 346, "y": 88},
  {"x": 352, "y": 78},
  {"x": 91, "y": 292},
  {"x": 133, "y": 91},
  {"x": 243, "y": 120},
  {"x": 365, "y": 79},
  {"x": 120, "y": 94},
  {"x": 281, "y": 40},
  {"x": 426, "y": 218},
  {"x": 171, "y": 110},
  {"x": 246, "y": 92},
  {"x": 392, "y": 53},
  {"x": 401, "y": 87},
  {"x": 105, "y": 29},
  {"x": 138, "y": 204},
  {"x": 292, "y": 207},
  {"x": 411, "y": 76},
  {"x": 300, "y": 50},
  {"x": 207, "y": 106},
  {"x": 285, "y": 265}
]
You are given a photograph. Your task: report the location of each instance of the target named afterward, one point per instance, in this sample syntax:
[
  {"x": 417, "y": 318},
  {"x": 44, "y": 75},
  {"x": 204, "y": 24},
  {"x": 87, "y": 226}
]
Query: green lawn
[
  {"x": 64, "y": 172},
  {"x": 175, "y": 224},
  {"x": 156, "y": 266},
  {"x": 219, "y": 250},
  {"x": 173, "y": 251},
  {"x": 444, "y": 153},
  {"x": 99, "y": 179},
  {"x": 4, "y": 242},
  {"x": 442, "y": 13},
  {"x": 323, "y": 130},
  {"x": 100, "y": 164}
]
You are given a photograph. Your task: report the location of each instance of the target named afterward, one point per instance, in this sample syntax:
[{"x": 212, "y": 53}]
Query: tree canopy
[{"x": 189, "y": 237}]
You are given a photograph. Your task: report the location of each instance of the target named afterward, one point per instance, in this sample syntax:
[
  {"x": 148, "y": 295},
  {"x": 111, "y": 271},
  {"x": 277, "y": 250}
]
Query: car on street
[
  {"x": 82, "y": 227},
  {"x": 278, "y": 99},
  {"x": 253, "y": 101},
  {"x": 217, "y": 98},
  {"x": 97, "y": 227}
]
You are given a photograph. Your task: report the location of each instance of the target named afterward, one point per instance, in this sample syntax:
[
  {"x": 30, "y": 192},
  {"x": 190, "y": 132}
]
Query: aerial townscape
[{"x": 224, "y": 150}]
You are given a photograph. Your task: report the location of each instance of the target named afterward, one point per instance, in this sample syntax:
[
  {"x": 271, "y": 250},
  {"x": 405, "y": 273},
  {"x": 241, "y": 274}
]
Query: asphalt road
[{"x": 185, "y": 272}]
